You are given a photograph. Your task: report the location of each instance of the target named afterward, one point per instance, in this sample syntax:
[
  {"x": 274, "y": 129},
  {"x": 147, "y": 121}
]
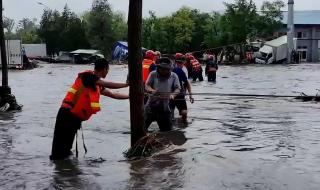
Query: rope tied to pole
[{"x": 302, "y": 96}]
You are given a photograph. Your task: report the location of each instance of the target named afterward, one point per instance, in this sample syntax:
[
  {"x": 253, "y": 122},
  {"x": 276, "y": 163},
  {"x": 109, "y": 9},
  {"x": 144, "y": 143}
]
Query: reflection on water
[
  {"x": 162, "y": 170},
  {"x": 228, "y": 142},
  {"x": 66, "y": 175},
  {"x": 165, "y": 169}
]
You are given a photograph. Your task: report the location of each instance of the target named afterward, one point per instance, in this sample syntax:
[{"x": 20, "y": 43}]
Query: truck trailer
[{"x": 14, "y": 54}]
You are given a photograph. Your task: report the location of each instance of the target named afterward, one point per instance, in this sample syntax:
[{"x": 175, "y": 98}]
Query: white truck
[
  {"x": 14, "y": 54},
  {"x": 274, "y": 51},
  {"x": 35, "y": 50}
]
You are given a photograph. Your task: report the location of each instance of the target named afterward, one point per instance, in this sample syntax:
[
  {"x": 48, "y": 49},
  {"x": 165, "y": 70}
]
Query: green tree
[
  {"x": 213, "y": 35},
  {"x": 201, "y": 22},
  {"x": 99, "y": 27},
  {"x": 8, "y": 24},
  {"x": 183, "y": 26},
  {"x": 169, "y": 34},
  {"x": 119, "y": 26},
  {"x": 72, "y": 33},
  {"x": 238, "y": 22},
  {"x": 49, "y": 31},
  {"x": 270, "y": 18},
  {"x": 27, "y": 31},
  {"x": 62, "y": 32},
  {"x": 148, "y": 30}
]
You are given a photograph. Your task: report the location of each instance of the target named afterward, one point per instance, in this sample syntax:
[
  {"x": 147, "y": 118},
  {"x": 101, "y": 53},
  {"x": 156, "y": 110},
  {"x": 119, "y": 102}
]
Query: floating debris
[{"x": 145, "y": 147}]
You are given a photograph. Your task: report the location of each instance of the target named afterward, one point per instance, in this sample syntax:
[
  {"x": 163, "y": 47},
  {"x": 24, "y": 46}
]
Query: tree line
[
  {"x": 189, "y": 30},
  {"x": 183, "y": 31}
]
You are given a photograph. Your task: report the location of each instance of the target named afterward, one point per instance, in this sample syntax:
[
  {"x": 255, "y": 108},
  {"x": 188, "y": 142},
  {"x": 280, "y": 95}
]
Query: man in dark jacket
[{"x": 211, "y": 68}]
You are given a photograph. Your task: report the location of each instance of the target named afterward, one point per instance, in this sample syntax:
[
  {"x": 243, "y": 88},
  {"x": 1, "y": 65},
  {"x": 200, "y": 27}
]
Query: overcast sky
[{"x": 18, "y": 9}]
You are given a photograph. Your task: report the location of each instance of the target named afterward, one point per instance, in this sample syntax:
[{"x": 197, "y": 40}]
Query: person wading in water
[
  {"x": 163, "y": 85},
  {"x": 80, "y": 103}
]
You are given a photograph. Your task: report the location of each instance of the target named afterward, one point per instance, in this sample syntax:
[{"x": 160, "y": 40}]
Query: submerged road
[{"x": 229, "y": 143}]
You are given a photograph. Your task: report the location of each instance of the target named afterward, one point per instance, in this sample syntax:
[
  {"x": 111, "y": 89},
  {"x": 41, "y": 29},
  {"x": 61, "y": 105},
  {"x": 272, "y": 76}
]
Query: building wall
[{"x": 309, "y": 40}]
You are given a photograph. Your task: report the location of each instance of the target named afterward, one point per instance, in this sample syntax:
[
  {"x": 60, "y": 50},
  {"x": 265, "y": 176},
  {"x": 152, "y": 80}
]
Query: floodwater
[{"x": 229, "y": 143}]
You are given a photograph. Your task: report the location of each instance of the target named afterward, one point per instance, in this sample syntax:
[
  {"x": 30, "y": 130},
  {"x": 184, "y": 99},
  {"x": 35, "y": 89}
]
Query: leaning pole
[
  {"x": 290, "y": 29},
  {"x": 7, "y": 100},
  {"x": 4, "y": 63},
  {"x": 136, "y": 90}
]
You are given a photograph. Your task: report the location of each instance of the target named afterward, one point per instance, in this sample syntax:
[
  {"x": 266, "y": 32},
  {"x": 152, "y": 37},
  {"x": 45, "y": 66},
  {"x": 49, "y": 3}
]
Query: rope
[
  {"x": 77, "y": 152},
  {"x": 220, "y": 47},
  {"x": 84, "y": 146},
  {"x": 165, "y": 94}
]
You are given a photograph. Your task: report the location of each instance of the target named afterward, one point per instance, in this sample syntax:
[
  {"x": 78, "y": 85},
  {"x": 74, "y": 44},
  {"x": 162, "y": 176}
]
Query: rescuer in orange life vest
[
  {"x": 80, "y": 103},
  {"x": 148, "y": 64},
  {"x": 196, "y": 70}
]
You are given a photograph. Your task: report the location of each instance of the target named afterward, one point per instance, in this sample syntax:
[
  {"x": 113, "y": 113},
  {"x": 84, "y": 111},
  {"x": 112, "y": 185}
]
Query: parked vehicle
[
  {"x": 14, "y": 53},
  {"x": 85, "y": 56},
  {"x": 274, "y": 51},
  {"x": 35, "y": 51}
]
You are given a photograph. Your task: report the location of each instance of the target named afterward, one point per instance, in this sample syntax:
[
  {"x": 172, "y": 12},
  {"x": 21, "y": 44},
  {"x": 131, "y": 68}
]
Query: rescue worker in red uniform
[
  {"x": 148, "y": 64},
  {"x": 181, "y": 59},
  {"x": 79, "y": 104},
  {"x": 196, "y": 70},
  {"x": 189, "y": 57}
]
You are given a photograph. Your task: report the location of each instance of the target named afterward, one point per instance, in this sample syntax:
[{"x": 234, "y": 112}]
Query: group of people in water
[{"x": 166, "y": 84}]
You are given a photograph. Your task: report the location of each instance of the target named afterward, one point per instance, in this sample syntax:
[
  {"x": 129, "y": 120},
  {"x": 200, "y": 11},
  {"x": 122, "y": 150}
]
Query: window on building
[
  {"x": 318, "y": 34},
  {"x": 302, "y": 35},
  {"x": 319, "y": 50},
  {"x": 299, "y": 35},
  {"x": 302, "y": 47},
  {"x": 303, "y": 52}
]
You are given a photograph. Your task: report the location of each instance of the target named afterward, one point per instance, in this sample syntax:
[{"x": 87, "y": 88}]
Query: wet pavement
[{"x": 229, "y": 142}]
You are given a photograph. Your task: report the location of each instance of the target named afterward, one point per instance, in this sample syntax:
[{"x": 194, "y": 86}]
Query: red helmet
[
  {"x": 179, "y": 56},
  {"x": 150, "y": 55},
  {"x": 189, "y": 56}
]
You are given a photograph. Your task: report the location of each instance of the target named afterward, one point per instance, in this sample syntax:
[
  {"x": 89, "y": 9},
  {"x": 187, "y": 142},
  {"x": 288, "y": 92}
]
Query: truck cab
[{"x": 266, "y": 55}]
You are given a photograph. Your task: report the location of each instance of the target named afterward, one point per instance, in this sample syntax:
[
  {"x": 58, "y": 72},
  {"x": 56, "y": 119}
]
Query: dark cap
[
  {"x": 100, "y": 64},
  {"x": 164, "y": 62}
]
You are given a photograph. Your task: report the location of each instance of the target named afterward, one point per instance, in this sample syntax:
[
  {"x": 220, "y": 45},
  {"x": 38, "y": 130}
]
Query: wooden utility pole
[
  {"x": 3, "y": 51},
  {"x": 5, "y": 91},
  {"x": 135, "y": 71},
  {"x": 290, "y": 31}
]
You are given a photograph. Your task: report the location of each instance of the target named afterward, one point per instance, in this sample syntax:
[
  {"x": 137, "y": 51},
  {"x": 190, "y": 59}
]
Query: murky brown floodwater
[{"x": 229, "y": 143}]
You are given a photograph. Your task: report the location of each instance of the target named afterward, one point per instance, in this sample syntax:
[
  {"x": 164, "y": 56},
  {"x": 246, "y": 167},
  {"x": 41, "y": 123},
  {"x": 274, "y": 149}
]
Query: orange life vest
[
  {"x": 145, "y": 69},
  {"x": 196, "y": 66},
  {"x": 83, "y": 102}
]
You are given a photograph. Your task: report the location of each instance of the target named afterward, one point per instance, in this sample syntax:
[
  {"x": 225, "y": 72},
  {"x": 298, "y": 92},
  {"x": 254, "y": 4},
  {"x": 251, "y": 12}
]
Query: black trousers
[
  {"x": 197, "y": 75},
  {"x": 65, "y": 130},
  {"x": 212, "y": 76},
  {"x": 179, "y": 102},
  {"x": 163, "y": 118}
]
